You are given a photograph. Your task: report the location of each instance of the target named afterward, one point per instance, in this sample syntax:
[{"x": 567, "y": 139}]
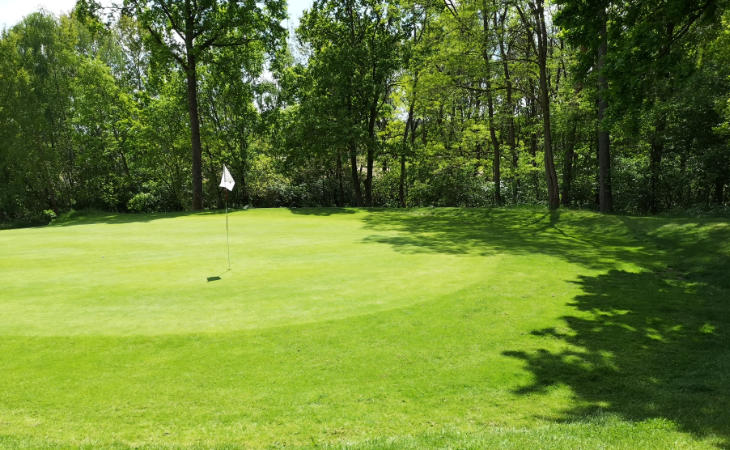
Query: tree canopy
[{"x": 606, "y": 104}]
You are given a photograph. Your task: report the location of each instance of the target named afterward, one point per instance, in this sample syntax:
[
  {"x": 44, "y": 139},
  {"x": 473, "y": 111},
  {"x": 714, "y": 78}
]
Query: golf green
[{"x": 366, "y": 328}]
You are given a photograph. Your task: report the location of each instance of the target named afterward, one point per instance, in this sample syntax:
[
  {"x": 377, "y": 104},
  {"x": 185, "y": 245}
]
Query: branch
[
  {"x": 160, "y": 41},
  {"x": 236, "y": 43},
  {"x": 529, "y": 27},
  {"x": 692, "y": 19},
  {"x": 210, "y": 41},
  {"x": 518, "y": 59},
  {"x": 452, "y": 8},
  {"x": 172, "y": 20}
]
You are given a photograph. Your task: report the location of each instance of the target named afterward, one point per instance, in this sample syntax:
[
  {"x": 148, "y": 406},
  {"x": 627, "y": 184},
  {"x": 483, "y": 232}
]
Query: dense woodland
[{"x": 612, "y": 105}]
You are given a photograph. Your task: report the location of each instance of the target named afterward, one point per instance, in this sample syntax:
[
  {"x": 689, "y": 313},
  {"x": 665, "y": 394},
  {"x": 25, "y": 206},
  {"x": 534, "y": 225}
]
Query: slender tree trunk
[
  {"x": 511, "y": 142},
  {"x": 496, "y": 170},
  {"x": 340, "y": 187},
  {"x": 369, "y": 177},
  {"x": 550, "y": 174},
  {"x": 532, "y": 114},
  {"x": 352, "y": 149},
  {"x": 568, "y": 165},
  {"x": 496, "y": 167},
  {"x": 533, "y": 154},
  {"x": 655, "y": 164},
  {"x": 195, "y": 135},
  {"x": 605, "y": 197},
  {"x": 355, "y": 176},
  {"x": 192, "y": 79},
  {"x": 409, "y": 122},
  {"x": 370, "y": 155},
  {"x": 402, "y": 182}
]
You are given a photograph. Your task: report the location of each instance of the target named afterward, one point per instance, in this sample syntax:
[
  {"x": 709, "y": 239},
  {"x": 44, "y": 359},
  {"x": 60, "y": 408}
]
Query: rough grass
[{"x": 366, "y": 328}]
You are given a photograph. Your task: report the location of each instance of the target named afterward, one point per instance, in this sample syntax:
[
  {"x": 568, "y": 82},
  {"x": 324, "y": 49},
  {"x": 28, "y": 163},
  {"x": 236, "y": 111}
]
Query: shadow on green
[
  {"x": 653, "y": 342},
  {"x": 322, "y": 211},
  {"x": 86, "y": 217}
]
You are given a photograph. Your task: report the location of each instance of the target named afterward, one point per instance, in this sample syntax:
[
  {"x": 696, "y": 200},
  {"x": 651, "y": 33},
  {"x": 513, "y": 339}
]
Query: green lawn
[{"x": 378, "y": 328}]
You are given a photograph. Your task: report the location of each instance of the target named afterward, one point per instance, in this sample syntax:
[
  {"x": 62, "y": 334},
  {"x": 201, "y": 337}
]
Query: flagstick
[{"x": 228, "y": 242}]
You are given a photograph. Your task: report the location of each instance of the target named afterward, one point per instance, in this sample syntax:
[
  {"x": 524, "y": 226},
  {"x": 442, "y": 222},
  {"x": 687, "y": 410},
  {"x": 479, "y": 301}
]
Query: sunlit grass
[{"x": 370, "y": 328}]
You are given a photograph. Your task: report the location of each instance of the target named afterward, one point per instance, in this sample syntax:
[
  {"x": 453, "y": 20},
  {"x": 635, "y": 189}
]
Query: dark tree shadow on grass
[
  {"x": 652, "y": 344},
  {"x": 322, "y": 211},
  {"x": 585, "y": 239},
  {"x": 95, "y": 217},
  {"x": 649, "y": 346}
]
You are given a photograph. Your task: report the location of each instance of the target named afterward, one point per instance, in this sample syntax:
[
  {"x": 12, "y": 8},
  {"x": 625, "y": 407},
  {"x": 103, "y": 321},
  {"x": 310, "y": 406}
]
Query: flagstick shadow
[{"x": 218, "y": 277}]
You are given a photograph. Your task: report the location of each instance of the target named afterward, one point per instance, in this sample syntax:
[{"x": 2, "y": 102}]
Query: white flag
[{"x": 227, "y": 180}]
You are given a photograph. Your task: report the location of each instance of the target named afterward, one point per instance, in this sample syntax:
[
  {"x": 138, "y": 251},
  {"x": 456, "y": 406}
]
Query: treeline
[{"x": 612, "y": 105}]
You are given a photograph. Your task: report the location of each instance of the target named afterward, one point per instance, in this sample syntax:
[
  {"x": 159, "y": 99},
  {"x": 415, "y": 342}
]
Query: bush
[
  {"x": 49, "y": 215},
  {"x": 143, "y": 202},
  {"x": 450, "y": 186},
  {"x": 386, "y": 188}
]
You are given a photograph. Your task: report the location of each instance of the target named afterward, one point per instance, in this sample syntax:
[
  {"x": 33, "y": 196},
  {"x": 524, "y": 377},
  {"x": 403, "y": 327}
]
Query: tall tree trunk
[
  {"x": 496, "y": 167},
  {"x": 532, "y": 114},
  {"x": 496, "y": 170},
  {"x": 550, "y": 174},
  {"x": 370, "y": 154},
  {"x": 511, "y": 142},
  {"x": 402, "y": 182},
  {"x": 655, "y": 163},
  {"x": 409, "y": 125},
  {"x": 568, "y": 165},
  {"x": 340, "y": 187},
  {"x": 192, "y": 79},
  {"x": 355, "y": 176},
  {"x": 533, "y": 155},
  {"x": 369, "y": 177},
  {"x": 352, "y": 148},
  {"x": 605, "y": 197},
  {"x": 195, "y": 133}
]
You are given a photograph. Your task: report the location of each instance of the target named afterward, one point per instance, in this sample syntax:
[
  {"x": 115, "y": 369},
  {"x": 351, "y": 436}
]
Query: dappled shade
[{"x": 644, "y": 344}]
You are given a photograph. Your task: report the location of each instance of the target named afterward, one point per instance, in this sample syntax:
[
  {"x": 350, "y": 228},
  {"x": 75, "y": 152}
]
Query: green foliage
[
  {"x": 95, "y": 111},
  {"x": 143, "y": 202},
  {"x": 49, "y": 214}
]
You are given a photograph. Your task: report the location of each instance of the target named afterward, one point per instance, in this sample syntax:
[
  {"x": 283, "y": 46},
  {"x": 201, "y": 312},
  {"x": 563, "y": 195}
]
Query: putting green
[{"x": 168, "y": 275}]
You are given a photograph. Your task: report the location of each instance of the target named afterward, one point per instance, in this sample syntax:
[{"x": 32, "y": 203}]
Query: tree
[
  {"x": 586, "y": 25},
  {"x": 535, "y": 22},
  {"x": 186, "y": 31},
  {"x": 355, "y": 48}
]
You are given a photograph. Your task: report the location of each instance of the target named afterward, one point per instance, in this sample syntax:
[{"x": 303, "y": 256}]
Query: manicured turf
[{"x": 418, "y": 328}]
